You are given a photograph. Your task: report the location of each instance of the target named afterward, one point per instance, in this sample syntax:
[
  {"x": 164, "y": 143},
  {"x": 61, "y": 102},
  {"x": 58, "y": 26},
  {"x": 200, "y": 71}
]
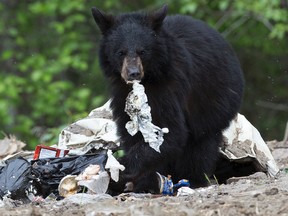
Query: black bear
[{"x": 194, "y": 84}]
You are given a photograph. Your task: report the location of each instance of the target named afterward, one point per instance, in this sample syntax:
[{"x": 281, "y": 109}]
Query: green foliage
[
  {"x": 48, "y": 77},
  {"x": 50, "y": 73}
]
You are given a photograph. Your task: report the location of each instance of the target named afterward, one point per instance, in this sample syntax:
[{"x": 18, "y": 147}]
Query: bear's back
[
  {"x": 195, "y": 34},
  {"x": 206, "y": 47}
]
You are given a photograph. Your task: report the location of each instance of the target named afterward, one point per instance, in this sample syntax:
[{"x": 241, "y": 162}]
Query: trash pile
[
  {"x": 25, "y": 180},
  {"x": 83, "y": 160}
]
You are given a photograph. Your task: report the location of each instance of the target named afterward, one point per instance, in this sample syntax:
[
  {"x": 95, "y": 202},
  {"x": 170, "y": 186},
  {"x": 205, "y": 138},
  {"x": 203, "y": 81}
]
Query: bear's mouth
[
  {"x": 132, "y": 70},
  {"x": 130, "y": 82}
]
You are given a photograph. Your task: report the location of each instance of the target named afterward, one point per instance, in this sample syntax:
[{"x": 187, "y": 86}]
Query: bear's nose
[{"x": 133, "y": 73}]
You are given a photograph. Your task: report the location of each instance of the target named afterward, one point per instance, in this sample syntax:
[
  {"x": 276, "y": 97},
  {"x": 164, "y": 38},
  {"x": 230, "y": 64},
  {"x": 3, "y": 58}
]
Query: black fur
[{"x": 194, "y": 85}]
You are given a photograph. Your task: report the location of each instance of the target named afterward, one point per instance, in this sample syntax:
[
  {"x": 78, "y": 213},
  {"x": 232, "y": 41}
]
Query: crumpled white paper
[
  {"x": 97, "y": 131},
  {"x": 141, "y": 120}
]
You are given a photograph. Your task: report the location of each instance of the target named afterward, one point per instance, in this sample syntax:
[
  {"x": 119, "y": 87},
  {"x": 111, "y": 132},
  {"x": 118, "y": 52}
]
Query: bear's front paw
[{"x": 132, "y": 169}]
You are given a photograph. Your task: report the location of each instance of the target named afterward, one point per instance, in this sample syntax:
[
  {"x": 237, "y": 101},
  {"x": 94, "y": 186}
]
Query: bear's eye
[
  {"x": 142, "y": 52},
  {"x": 121, "y": 53}
]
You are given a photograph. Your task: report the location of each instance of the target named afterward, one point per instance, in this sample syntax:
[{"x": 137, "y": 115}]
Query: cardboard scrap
[
  {"x": 9, "y": 146},
  {"x": 243, "y": 142},
  {"x": 97, "y": 131}
]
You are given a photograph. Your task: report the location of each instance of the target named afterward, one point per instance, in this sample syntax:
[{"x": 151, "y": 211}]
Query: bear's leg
[
  {"x": 147, "y": 183},
  {"x": 139, "y": 160},
  {"x": 199, "y": 160}
]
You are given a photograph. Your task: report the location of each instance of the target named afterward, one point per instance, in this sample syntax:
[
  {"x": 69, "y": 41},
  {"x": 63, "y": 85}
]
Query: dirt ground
[{"x": 252, "y": 195}]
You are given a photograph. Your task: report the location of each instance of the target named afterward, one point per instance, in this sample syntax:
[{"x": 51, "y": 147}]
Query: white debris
[
  {"x": 95, "y": 180},
  {"x": 141, "y": 120},
  {"x": 89, "y": 172},
  {"x": 185, "y": 191},
  {"x": 243, "y": 142},
  {"x": 97, "y": 131},
  {"x": 96, "y": 183},
  {"x": 114, "y": 166}
]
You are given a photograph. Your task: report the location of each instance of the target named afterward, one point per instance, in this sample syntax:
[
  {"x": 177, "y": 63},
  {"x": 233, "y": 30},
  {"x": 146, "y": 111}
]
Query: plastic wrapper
[
  {"x": 15, "y": 179},
  {"x": 96, "y": 183}
]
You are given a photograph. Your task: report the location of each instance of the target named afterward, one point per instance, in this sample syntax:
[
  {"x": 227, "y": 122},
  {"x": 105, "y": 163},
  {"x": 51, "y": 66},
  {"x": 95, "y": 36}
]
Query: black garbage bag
[
  {"x": 50, "y": 171},
  {"x": 15, "y": 179}
]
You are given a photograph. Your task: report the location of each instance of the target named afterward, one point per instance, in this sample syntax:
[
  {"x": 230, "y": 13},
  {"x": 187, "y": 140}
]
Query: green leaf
[{"x": 7, "y": 54}]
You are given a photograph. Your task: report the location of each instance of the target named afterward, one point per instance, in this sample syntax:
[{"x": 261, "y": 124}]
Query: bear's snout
[
  {"x": 133, "y": 73},
  {"x": 132, "y": 69}
]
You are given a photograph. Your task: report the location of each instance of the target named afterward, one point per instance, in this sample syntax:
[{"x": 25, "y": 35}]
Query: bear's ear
[
  {"x": 104, "y": 21},
  {"x": 156, "y": 18}
]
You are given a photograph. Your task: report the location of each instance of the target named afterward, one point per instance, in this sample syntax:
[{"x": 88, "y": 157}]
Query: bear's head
[{"x": 129, "y": 43}]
